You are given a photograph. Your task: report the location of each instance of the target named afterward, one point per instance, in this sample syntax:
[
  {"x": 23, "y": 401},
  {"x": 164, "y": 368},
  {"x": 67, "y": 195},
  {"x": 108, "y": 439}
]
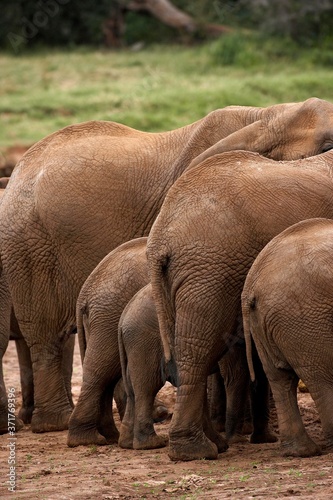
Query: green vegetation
[
  {"x": 76, "y": 22},
  {"x": 155, "y": 89}
]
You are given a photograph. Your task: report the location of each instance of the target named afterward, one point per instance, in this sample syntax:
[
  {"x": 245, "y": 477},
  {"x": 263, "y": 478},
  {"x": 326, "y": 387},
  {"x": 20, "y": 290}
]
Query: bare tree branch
[{"x": 166, "y": 12}]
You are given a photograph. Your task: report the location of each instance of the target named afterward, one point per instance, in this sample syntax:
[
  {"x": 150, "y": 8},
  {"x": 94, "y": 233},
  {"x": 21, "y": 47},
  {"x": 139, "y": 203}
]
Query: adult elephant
[
  {"x": 287, "y": 310},
  {"x": 85, "y": 189},
  {"x": 214, "y": 221}
]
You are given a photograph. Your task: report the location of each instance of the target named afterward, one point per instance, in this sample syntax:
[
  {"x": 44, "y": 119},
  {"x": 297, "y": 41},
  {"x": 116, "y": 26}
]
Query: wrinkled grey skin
[
  {"x": 287, "y": 305},
  {"x": 238, "y": 423},
  {"x": 214, "y": 221},
  {"x": 80, "y": 192},
  {"x": 144, "y": 374},
  {"x": 9, "y": 330},
  {"x": 101, "y": 301},
  {"x": 141, "y": 357},
  {"x": 100, "y": 304},
  {"x": 6, "y": 332}
]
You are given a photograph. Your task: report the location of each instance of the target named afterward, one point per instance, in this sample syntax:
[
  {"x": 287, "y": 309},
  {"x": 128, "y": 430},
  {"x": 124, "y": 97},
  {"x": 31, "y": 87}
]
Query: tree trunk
[{"x": 166, "y": 12}]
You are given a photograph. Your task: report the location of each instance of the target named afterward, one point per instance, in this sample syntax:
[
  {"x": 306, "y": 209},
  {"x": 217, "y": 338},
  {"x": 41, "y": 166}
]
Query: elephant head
[{"x": 297, "y": 131}]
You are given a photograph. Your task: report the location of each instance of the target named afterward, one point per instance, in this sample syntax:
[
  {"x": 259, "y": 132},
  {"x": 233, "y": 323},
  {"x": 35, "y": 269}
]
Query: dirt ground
[{"x": 47, "y": 469}]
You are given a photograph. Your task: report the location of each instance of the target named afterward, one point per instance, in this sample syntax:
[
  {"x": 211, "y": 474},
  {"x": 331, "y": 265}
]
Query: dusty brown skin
[
  {"x": 144, "y": 374},
  {"x": 141, "y": 357},
  {"x": 213, "y": 223},
  {"x": 84, "y": 190},
  {"x": 101, "y": 301},
  {"x": 47, "y": 468},
  {"x": 287, "y": 309},
  {"x": 9, "y": 330}
]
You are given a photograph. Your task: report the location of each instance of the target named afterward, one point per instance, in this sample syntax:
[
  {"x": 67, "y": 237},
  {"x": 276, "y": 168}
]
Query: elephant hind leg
[
  {"x": 260, "y": 407},
  {"x": 322, "y": 393},
  {"x": 106, "y": 424},
  {"x": 27, "y": 383},
  {"x": 92, "y": 419},
  {"x": 217, "y": 401},
  {"x": 212, "y": 434},
  {"x": 52, "y": 407},
  {"x": 187, "y": 437},
  {"x": 294, "y": 439}
]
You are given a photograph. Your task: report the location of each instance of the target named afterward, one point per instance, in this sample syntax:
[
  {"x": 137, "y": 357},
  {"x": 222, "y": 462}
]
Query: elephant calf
[
  {"x": 101, "y": 301},
  {"x": 287, "y": 305},
  {"x": 144, "y": 374}
]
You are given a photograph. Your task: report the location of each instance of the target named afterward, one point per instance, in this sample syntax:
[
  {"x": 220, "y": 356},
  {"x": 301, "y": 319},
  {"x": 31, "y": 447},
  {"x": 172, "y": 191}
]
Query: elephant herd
[{"x": 174, "y": 255}]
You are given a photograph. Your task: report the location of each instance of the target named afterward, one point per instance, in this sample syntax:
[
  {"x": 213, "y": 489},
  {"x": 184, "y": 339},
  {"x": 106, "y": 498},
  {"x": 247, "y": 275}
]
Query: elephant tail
[
  {"x": 122, "y": 352},
  {"x": 81, "y": 312},
  {"x": 159, "y": 281},
  {"x": 248, "y": 303}
]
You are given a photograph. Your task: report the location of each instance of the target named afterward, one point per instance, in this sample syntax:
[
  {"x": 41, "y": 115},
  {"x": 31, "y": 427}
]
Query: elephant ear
[
  {"x": 253, "y": 137},
  {"x": 297, "y": 131}
]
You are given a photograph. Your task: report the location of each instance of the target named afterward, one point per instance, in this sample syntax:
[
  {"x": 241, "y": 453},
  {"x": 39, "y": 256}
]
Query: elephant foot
[
  {"x": 111, "y": 434},
  {"x": 304, "y": 447},
  {"x": 186, "y": 450},
  {"x": 237, "y": 438},
  {"x": 263, "y": 437},
  {"x": 46, "y": 422},
  {"x": 85, "y": 438},
  {"x": 215, "y": 437},
  {"x": 19, "y": 424},
  {"x": 150, "y": 442},
  {"x": 126, "y": 437},
  {"x": 25, "y": 414},
  {"x": 160, "y": 413},
  {"x": 4, "y": 425}
]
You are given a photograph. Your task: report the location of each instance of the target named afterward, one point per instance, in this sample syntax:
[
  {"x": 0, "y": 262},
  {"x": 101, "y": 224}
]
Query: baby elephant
[
  {"x": 102, "y": 299},
  {"x": 144, "y": 374},
  {"x": 287, "y": 305}
]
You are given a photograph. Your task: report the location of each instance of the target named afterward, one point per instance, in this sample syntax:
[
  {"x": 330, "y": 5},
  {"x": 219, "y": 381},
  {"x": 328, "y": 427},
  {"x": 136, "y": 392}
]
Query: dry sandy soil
[{"x": 47, "y": 469}]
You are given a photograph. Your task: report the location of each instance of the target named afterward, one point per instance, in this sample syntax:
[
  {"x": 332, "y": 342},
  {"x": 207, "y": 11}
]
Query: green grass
[{"x": 156, "y": 89}]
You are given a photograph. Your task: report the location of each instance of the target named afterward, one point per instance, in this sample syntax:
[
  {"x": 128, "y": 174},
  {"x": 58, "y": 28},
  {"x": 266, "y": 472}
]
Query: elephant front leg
[
  {"x": 211, "y": 431},
  {"x": 126, "y": 434},
  {"x": 27, "y": 381},
  {"x": 52, "y": 406},
  {"x": 217, "y": 401},
  {"x": 260, "y": 396},
  {"x": 235, "y": 373},
  {"x": 106, "y": 424},
  {"x": 4, "y": 406}
]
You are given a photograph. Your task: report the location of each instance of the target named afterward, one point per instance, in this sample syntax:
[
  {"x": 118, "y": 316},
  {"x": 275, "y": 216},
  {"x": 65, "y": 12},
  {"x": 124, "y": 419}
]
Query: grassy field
[{"x": 153, "y": 89}]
